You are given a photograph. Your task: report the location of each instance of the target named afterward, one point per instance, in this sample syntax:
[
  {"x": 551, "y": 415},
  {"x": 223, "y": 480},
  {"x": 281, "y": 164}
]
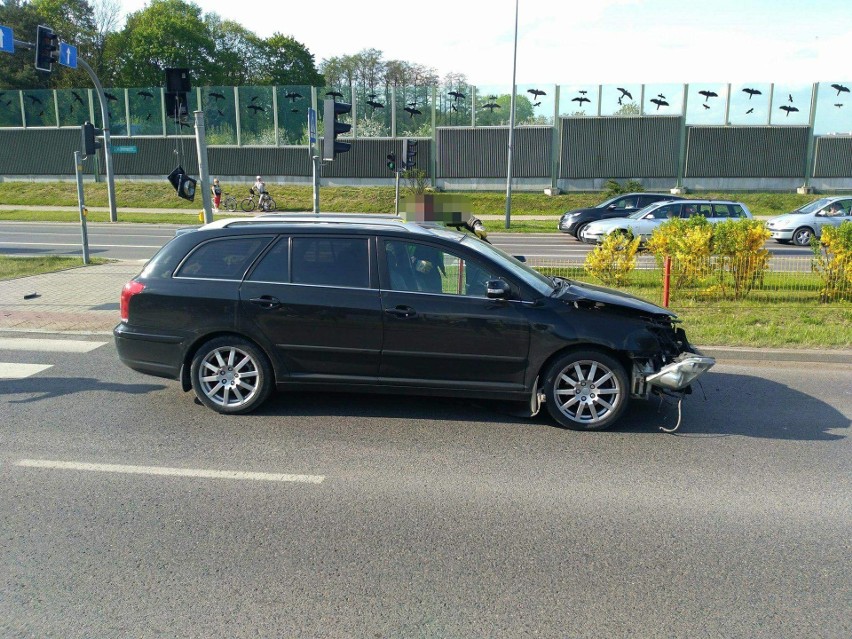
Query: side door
[
  {"x": 313, "y": 301},
  {"x": 440, "y": 329},
  {"x": 656, "y": 218}
]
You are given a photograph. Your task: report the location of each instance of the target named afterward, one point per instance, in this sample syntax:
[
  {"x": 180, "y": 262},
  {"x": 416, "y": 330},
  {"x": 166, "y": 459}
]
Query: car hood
[
  {"x": 791, "y": 218},
  {"x": 574, "y": 291}
]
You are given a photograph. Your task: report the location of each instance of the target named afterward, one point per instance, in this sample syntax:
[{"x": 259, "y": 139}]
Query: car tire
[
  {"x": 578, "y": 232},
  {"x": 802, "y": 236},
  {"x": 586, "y": 390},
  {"x": 231, "y": 375}
]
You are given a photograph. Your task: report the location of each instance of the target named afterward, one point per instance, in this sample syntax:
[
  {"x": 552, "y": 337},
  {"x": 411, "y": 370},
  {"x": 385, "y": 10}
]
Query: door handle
[
  {"x": 401, "y": 311},
  {"x": 266, "y": 301}
]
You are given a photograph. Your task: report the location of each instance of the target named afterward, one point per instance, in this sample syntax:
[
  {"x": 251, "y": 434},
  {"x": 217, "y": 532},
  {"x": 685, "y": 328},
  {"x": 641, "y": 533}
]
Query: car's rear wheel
[
  {"x": 586, "y": 390},
  {"x": 231, "y": 375},
  {"x": 802, "y": 236}
]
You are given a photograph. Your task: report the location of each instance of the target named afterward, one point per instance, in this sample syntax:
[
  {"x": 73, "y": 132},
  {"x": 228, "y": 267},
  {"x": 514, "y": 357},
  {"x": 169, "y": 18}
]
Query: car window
[
  {"x": 688, "y": 210},
  {"x": 222, "y": 259},
  {"x": 666, "y": 211},
  {"x": 330, "y": 261},
  {"x": 423, "y": 268},
  {"x": 721, "y": 210},
  {"x": 645, "y": 200},
  {"x": 737, "y": 211},
  {"x": 625, "y": 203},
  {"x": 275, "y": 265}
]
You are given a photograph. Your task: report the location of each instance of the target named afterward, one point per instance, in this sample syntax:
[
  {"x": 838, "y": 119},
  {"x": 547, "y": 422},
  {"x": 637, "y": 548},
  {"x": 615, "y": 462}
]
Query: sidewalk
[{"x": 86, "y": 301}]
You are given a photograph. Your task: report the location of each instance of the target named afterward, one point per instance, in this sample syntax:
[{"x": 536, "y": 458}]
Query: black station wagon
[{"x": 238, "y": 308}]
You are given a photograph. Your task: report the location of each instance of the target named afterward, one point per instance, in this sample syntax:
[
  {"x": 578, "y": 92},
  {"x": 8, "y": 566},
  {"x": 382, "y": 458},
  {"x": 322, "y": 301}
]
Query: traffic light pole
[
  {"x": 81, "y": 200},
  {"x": 113, "y": 213},
  {"x": 396, "y": 196},
  {"x": 203, "y": 173},
  {"x": 315, "y": 161}
]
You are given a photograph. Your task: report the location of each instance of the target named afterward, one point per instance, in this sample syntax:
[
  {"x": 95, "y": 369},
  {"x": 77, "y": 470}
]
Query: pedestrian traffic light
[
  {"x": 333, "y": 128},
  {"x": 392, "y": 161},
  {"x": 46, "y": 49},
  {"x": 409, "y": 150},
  {"x": 90, "y": 145}
]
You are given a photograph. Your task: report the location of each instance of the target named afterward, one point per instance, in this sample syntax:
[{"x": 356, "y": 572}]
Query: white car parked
[
  {"x": 643, "y": 222},
  {"x": 808, "y": 221}
]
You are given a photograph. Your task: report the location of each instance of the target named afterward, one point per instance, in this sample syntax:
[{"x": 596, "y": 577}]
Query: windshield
[
  {"x": 530, "y": 276},
  {"x": 813, "y": 207},
  {"x": 603, "y": 205},
  {"x": 641, "y": 212}
]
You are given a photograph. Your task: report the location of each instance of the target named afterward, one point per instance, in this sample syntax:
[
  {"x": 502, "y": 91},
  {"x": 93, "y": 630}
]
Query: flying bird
[
  {"x": 145, "y": 94},
  {"x": 708, "y": 94},
  {"x": 375, "y": 105},
  {"x": 218, "y": 96},
  {"x": 706, "y": 106},
  {"x": 582, "y": 92},
  {"x": 659, "y": 102},
  {"x": 334, "y": 94},
  {"x": 293, "y": 96},
  {"x": 148, "y": 117},
  {"x": 35, "y": 99},
  {"x": 110, "y": 97},
  {"x": 535, "y": 104},
  {"x": 220, "y": 112},
  {"x": 838, "y": 104},
  {"x": 624, "y": 93},
  {"x": 254, "y": 98},
  {"x": 840, "y": 88},
  {"x": 536, "y": 92},
  {"x": 492, "y": 97},
  {"x": 454, "y": 107},
  {"x": 256, "y": 108},
  {"x": 752, "y": 92},
  {"x": 413, "y": 105},
  {"x": 491, "y": 106},
  {"x": 789, "y": 97},
  {"x": 412, "y": 111},
  {"x": 456, "y": 95},
  {"x": 788, "y": 109},
  {"x": 77, "y": 97},
  {"x": 581, "y": 99},
  {"x": 294, "y": 110},
  {"x": 749, "y": 111}
]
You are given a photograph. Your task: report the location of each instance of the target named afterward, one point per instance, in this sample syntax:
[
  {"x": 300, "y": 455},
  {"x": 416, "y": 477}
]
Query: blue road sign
[
  {"x": 125, "y": 148},
  {"x": 7, "y": 39},
  {"x": 67, "y": 55}
]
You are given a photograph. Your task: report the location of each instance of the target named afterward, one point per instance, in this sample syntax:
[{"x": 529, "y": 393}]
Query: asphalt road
[
  {"x": 141, "y": 241},
  {"x": 419, "y": 517}
]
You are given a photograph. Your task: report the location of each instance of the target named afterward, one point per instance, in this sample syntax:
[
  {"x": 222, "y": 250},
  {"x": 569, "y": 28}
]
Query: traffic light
[
  {"x": 184, "y": 185},
  {"x": 47, "y": 48},
  {"x": 409, "y": 150},
  {"x": 90, "y": 145},
  {"x": 333, "y": 128},
  {"x": 392, "y": 161}
]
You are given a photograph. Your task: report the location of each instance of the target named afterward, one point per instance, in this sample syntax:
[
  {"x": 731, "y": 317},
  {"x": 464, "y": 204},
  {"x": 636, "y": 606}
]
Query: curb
[{"x": 812, "y": 356}]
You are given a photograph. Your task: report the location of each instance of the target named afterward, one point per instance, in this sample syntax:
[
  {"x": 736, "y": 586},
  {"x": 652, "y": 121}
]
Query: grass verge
[{"x": 14, "y": 267}]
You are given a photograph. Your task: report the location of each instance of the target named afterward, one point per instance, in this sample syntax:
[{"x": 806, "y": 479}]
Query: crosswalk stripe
[
  {"x": 48, "y": 345},
  {"x": 20, "y": 371}
]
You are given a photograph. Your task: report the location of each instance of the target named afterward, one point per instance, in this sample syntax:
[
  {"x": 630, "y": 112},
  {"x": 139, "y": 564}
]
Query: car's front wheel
[
  {"x": 231, "y": 375},
  {"x": 802, "y": 236},
  {"x": 586, "y": 390},
  {"x": 578, "y": 232}
]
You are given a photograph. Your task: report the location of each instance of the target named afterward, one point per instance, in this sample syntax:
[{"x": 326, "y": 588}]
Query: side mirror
[
  {"x": 520, "y": 258},
  {"x": 611, "y": 207},
  {"x": 496, "y": 290}
]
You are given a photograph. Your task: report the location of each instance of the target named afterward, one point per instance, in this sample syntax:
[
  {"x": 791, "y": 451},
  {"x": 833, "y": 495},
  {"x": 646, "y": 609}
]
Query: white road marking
[
  {"x": 48, "y": 345},
  {"x": 20, "y": 371},
  {"x": 170, "y": 472}
]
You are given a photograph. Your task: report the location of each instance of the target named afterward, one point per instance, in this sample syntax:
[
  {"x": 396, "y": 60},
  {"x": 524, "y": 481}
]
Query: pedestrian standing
[{"x": 217, "y": 195}]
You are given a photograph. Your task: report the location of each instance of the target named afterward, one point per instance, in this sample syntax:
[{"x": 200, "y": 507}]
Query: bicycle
[
  {"x": 251, "y": 203},
  {"x": 228, "y": 203}
]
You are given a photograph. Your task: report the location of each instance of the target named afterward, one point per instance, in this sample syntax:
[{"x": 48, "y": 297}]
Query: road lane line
[
  {"x": 170, "y": 472},
  {"x": 48, "y": 345},
  {"x": 20, "y": 371}
]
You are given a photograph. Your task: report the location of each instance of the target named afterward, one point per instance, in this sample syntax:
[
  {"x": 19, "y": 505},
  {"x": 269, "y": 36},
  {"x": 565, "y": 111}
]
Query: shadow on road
[
  {"x": 723, "y": 405},
  {"x": 42, "y": 388}
]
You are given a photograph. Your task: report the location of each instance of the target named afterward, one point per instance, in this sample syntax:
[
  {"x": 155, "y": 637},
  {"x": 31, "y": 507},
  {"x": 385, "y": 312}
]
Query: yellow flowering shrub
[{"x": 613, "y": 260}]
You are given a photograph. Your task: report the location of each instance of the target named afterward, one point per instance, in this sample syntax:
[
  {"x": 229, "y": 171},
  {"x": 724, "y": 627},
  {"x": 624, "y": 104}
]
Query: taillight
[{"x": 130, "y": 289}]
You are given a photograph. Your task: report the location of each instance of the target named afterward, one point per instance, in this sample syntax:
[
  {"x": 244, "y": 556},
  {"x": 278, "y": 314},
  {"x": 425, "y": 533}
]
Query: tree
[
  {"x": 238, "y": 53},
  {"x": 285, "y": 61},
  {"x": 17, "y": 71},
  {"x": 500, "y": 116},
  {"x": 166, "y": 33}
]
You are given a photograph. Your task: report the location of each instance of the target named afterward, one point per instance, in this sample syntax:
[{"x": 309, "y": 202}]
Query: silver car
[
  {"x": 808, "y": 221},
  {"x": 643, "y": 222}
]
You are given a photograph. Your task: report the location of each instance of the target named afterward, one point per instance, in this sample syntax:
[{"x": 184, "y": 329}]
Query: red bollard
[{"x": 667, "y": 276}]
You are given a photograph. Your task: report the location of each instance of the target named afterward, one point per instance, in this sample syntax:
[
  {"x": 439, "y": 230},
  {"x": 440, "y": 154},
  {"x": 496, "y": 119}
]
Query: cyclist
[{"x": 260, "y": 187}]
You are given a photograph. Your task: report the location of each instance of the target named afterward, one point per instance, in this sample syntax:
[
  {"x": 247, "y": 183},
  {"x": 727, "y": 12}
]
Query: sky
[{"x": 560, "y": 42}]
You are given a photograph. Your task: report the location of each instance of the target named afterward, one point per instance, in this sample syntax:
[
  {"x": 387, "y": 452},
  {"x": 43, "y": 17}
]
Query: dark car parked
[
  {"x": 575, "y": 221},
  {"x": 240, "y": 307}
]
